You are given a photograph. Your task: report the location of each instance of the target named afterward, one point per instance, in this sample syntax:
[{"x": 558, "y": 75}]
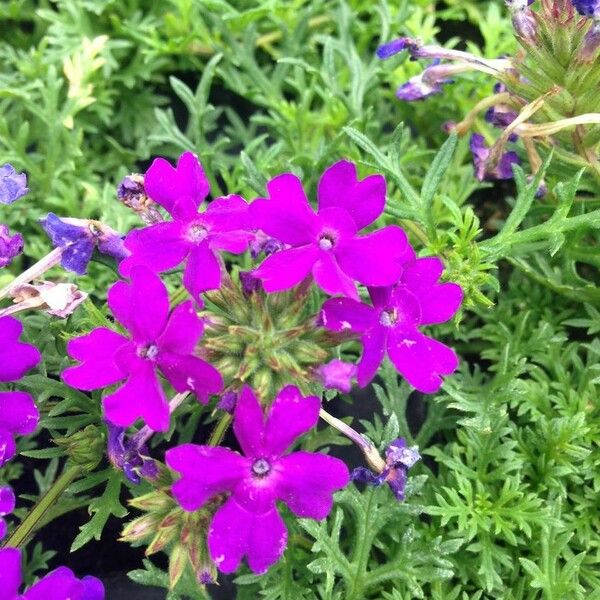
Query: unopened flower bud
[
  {"x": 132, "y": 194},
  {"x": 84, "y": 448}
]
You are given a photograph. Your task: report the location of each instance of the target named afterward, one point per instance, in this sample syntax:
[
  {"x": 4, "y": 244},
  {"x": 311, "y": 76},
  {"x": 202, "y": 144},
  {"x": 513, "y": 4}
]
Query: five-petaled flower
[
  {"x": 248, "y": 523},
  {"x": 392, "y": 325},
  {"x": 60, "y": 584},
  {"x": 193, "y": 236},
  {"x": 326, "y": 243},
  {"x": 159, "y": 341},
  {"x": 18, "y": 413}
]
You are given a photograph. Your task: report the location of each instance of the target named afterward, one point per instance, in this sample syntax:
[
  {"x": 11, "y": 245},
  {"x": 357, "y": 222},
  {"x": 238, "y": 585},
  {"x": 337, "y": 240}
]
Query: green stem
[
  {"x": 29, "y": 524},
  {"x": 219, "y": 431}
]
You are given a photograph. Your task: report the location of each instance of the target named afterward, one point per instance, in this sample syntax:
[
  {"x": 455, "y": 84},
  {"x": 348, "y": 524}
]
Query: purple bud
[
  {"x": 205, "y": 577},
  {"x": 523, "y": 19},
  {"x": 394, "y": 47},
  {"x": 588, "y": 8},
  {"x": 591, "y": 43},
  {"x": 250, "y": 283},
  {"x": 264, "y": 243},
  {"x": 228, "y": 401},
  {"x": 337, "y": 375},
  {"x": 10, "y": 246},
  {"x": 481, "y": 155},
  {"x": 13, "y": 185}
]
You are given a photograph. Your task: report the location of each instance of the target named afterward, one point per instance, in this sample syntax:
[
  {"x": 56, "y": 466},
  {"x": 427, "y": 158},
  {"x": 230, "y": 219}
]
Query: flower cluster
[
  {"x": 13, "y": 186},
  {"x": 533, "y": 99}
]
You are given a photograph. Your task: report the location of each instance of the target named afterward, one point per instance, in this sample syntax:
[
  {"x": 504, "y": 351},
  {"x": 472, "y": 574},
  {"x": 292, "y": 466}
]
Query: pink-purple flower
[
  {"x": 337, "y": 375},
  {"x": 10, "y": 246},
  {"x": 7, "y": 505},
  {"x": 158, "y": 342},
  {"x": 18, "y": 413},
  {"x": 248, "y": 523},
  {"x": 192, "y": 236},
  {"x": 481, "y": 157},
  {"x": 326, "y": 243},
  {"x": 60, "y": 584},
  {"x": 391, "y": 325}
]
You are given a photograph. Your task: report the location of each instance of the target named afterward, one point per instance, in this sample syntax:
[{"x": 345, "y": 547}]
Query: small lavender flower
[
  {"x": 338, "y": 375},
  {"x": 523, "y": 19},
  {"x": 228, "y": 401},
  {"x": 250, "y": 283},
  {"x": 591, "y": 42},
  {"x": 127, "y": 456},
  {"x": 394, "y": 47},
  {"x": 10, "y": 246},
  {"x": 481, "y": 155},
  {"x": 13, "y": 185},
  {"x": 264, "y": 243},
  {"x": 428, "y": 83},
  {"x": 588, "y": 8},
  {"x": 79, "y": 237},
  {"x": 7, "y": 505},
  {"x": 398, "y": 459}
]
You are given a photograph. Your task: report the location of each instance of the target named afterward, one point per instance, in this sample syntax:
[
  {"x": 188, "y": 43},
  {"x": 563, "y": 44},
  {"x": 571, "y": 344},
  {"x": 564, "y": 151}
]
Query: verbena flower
[
  {"x": 194, "y": 237},
  {"x": 60, "y": 584},
  {"x": 7, "y": 505},
  {"x": 326, "y": 243},
  {"x": 78, "y": 237},
  {"x": 248, "y": 524},
  {"x": 481, "y": 158},
  {"x": 392, "y": 324},
  {"x": 398, "y": 459},
  {"x": 338, "y": 375},
  {"x": 10, "y": 246},
  {"x": 13, "y": 185},
  {"x": 18, "y": 413},
  {"x": 127, "y": 456},
  {"x": 158, "y": 341}
]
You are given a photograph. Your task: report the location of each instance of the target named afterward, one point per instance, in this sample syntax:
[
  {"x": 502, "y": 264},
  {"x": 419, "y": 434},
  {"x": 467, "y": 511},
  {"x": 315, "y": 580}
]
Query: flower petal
[
  {"x": 159, "y": 247},
  {"x": 77, "y": 255},
  {"x": 421, "y": 360},
  {"x": 307, "y": 481},
  {"x": 373, "y": 342},
  {"x": 96, "y": 352},
  {"x": 235, "y": 532},
  {"x": 202, "y": 271},
  {"x": 141, "y": 396},
  {"x": 375, "y": 259},
  {"x": 228, "y": 213},
  {"x": 205, "y": 472},
  {"x": 183, "y": 330},
  {"x": 248, "y": 423},
  {"x": 141, "y": 306},
  {"x": 16, "y": 358},
  {"x": 331, "y": 278},
  {"x": 7, "y": 500},
  {"x": 344, "y": 314},
  {"x": 363, "y": 199},
  {"x": 287, "y": 214},
  {"x": 286, "y": 268},
  {"x": 18, "y": 413},
  {"x": 10, "y": 573},
  {"x": 291, "y": 415},
  {"x": 187, "y": 372},
  {"x": 8, "y": 448}
]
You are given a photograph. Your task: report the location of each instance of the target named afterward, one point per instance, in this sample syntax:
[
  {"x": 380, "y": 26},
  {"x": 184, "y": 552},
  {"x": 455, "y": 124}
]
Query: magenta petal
[
  {"x": 179, "y": 190},
  {"x": 344, "y": 314},
  {"x": 16, "y": 358},
  {"x": 205, "y": 472},
  {"x": 93, "y": 589},
  {"x": 331, "y": 279},
  {"x": 183, "y": 330},
  {"x": 140, "y": 396},
  {"x": 159, "y": 247},
  {"x": 141, "y": 306},
  {"x": 363, "y": 199},
  {"x": 421, "y": 360},
  {"x": 235, "y": 532},
  {"x": 96, "y": 352},
  {"x": 235, "y": 242},
  {"x": 374, "y": 259},
  {"x": 291, "y": 415},
  {"x": 228, "y": 213},
  {"x": 202, "y": 271},
  {"x": 287, "y": 215},
  {"x": 8, "y": 447},
  {"x": 380, "y": 296},
  {"x": 373, "y": 342},
  {"x": 7, "y": 500},
  {"x": 248, "y": 423},
  {"x": 307, "y": 481},
  {"x": 18, "y": 413},
  {"x": 286, "y": 268},
  {"x": 187, "y": 372},
  {"x": 10, "y": 573}
]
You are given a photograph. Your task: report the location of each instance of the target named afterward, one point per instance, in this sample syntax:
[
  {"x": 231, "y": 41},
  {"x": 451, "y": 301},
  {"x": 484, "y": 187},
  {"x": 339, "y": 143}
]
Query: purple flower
[
  {"x": 588, "y": 8},
  {"x": 194, "y": 237},
  {"x": 250, "y": 283},
  {"x": 18, "y": 413},
  {"x": 158, "y": 342},
  {"x": 13, "y": 185},
  {"x": 10, "y": 246},
  {"x": 326, "y": 243},
  {"x": 392, "y": 325},
  {"x": 591, "y": 42},
  {"x": 264, "y": 243},
  {"x": 127, "y": 456},
  {"x": 337, "y": 375},
  {"x": 7, "y": 505},
  {"x": 394, "y": 47},
  {"x": 248, "y": 524},
  {"x": 79, "y": 237},
  {"x": 60, "y": 584},
  {"x": 481, "y": 156},
  {"x": 398, "y": 459},
  {"x": 228, "y": 401},
  {"x": 523, "y": 19},
  {"x": 428, "y": 82}
]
